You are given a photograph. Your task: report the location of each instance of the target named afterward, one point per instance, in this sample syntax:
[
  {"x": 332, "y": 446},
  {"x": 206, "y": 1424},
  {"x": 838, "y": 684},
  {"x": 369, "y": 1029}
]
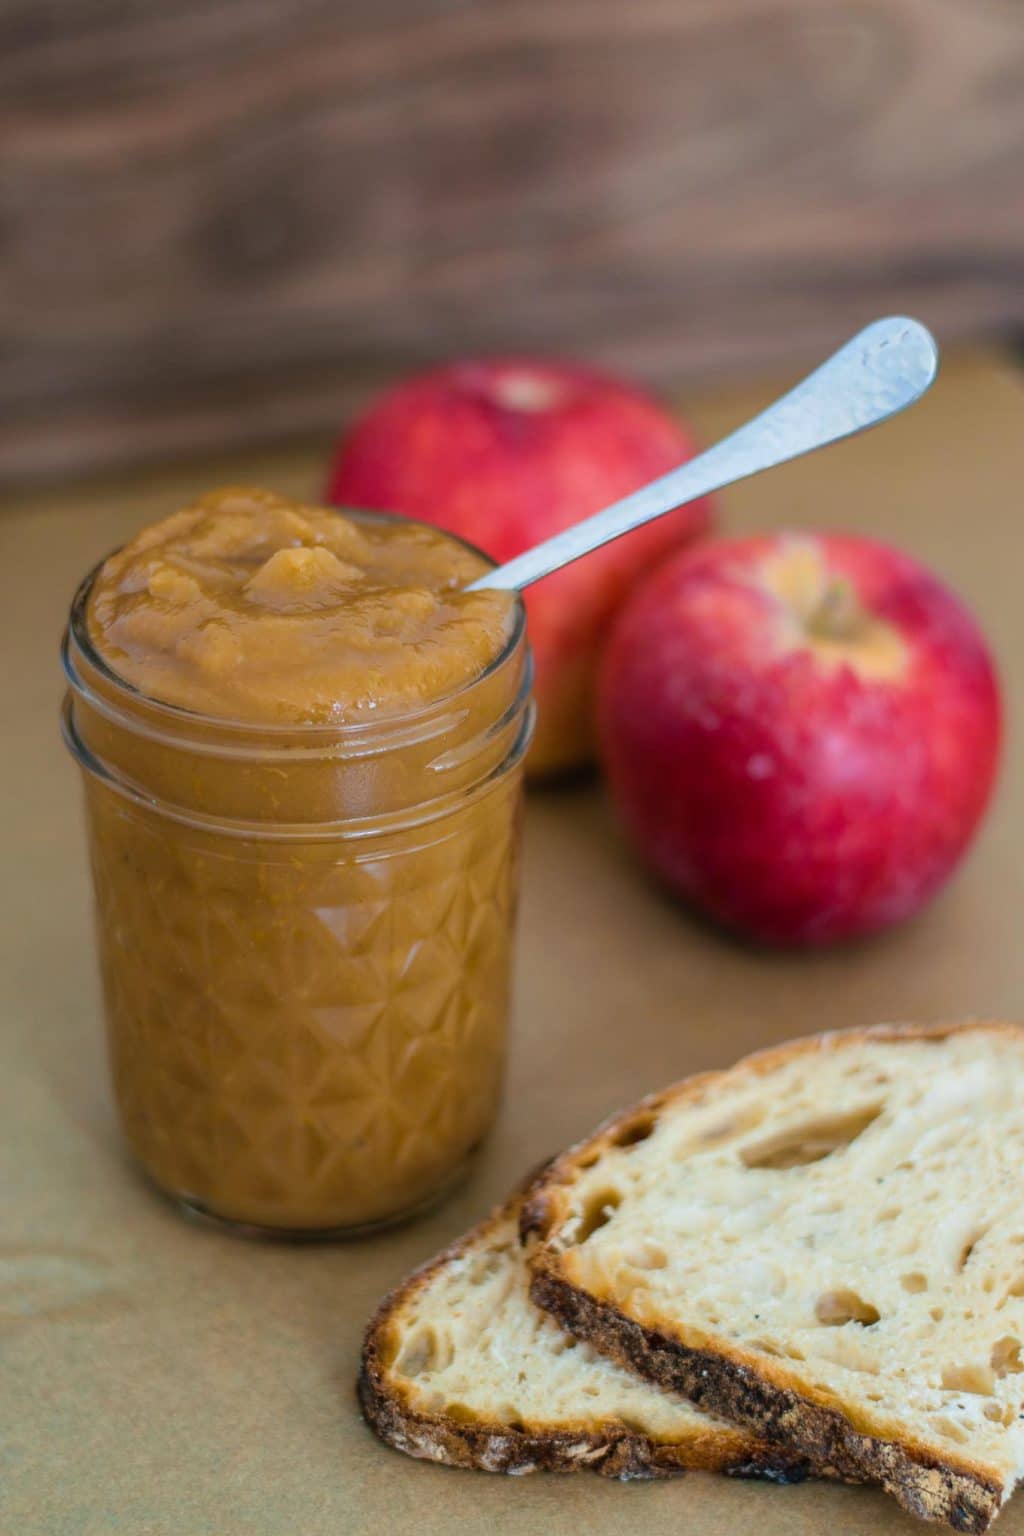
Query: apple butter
[{"x": 302, "y": 743}]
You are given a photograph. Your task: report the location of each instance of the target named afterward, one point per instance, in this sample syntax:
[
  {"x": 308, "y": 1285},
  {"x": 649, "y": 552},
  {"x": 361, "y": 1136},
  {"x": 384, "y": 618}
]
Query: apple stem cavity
[
  {"x": 527, "y": 392},
  {"x": 822, "y": 611}
]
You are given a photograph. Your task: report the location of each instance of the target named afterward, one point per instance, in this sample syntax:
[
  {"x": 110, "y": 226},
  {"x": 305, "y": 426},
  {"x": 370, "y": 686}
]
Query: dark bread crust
[
  {"x": 613, "y": 1449},
  {"x": 719, "y": 1376},
  {"x": 924, "y": 1484}
]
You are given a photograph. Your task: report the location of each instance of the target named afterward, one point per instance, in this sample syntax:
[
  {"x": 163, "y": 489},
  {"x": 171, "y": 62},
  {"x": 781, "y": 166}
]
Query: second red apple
[{"x": 800, "y": 732}]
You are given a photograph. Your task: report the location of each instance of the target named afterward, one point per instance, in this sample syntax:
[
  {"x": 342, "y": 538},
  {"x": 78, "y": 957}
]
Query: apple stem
[{"x": 838, "y": 614}]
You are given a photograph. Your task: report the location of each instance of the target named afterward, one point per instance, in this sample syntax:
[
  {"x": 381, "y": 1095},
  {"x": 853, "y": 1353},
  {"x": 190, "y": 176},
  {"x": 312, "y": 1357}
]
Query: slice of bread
[
  {"x": 458, "y": 1366},
  {"x": 825, "y": 1243}
]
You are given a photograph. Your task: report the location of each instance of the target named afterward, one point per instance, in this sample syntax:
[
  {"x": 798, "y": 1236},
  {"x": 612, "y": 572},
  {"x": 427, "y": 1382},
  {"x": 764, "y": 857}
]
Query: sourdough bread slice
[
  {"x": 825, "y": 1243},
  {"x": 458, "y": 1366}
]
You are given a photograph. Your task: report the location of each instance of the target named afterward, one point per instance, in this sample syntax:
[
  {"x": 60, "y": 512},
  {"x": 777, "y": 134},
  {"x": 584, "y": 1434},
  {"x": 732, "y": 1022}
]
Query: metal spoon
[{"x": 881, "y": 371}]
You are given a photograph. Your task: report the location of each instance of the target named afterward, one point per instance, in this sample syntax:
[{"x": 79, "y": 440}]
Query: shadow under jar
[{"x": 305, "y": 937}]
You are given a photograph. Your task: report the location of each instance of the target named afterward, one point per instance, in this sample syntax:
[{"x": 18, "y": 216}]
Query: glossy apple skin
[
  {"x": 506, "y": 452},
  {"x": 794, "y": 800}
]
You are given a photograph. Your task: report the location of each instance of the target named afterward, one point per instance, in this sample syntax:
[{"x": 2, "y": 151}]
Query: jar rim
[{"x": 77, "y": 635}]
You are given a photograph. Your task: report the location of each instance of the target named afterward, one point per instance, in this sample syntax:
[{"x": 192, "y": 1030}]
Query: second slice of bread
[
  {"x": 825, "y": 1243},
  {"x": 460, "y": 1367}
]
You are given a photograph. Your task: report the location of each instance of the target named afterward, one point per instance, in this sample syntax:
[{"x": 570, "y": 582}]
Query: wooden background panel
[{"x": 225, "y": 223}]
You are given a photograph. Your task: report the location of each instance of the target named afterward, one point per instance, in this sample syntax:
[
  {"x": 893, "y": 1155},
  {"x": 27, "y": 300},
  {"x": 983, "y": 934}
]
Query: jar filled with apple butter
[{"x": 302, "y": 743}]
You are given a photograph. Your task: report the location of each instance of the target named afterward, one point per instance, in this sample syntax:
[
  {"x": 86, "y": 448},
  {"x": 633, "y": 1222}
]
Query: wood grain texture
[{"x": 225, "y": 223}]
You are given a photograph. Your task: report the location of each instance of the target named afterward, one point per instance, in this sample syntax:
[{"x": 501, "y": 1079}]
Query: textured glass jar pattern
[{"x": 305, "y": 941}]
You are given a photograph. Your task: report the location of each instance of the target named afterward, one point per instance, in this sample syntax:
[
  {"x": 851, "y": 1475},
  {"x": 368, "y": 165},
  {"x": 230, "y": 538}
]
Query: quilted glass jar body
[{"x": 305, "y": 941}]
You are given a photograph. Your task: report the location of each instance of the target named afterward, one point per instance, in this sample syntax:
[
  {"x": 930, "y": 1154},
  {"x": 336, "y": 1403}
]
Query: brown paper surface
[{"x": 160, "y": 1379}]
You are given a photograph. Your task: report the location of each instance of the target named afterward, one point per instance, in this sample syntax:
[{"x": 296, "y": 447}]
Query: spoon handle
[{"x": 882, "y": 370}]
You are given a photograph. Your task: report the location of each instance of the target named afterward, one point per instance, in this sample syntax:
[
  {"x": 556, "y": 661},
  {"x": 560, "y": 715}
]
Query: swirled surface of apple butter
[{"x": 250, "y": 607}]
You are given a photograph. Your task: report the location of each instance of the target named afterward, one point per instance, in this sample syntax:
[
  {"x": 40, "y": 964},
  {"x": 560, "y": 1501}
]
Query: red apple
[
  {"x": 506, "y": 452},
  {"x": 800, "y": 732}
]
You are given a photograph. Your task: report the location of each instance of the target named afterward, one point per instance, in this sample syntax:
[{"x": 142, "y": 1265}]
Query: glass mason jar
[{"x": 305, "y": 939}]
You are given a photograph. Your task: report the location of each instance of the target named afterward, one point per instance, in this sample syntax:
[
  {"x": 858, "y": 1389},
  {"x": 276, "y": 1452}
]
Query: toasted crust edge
[
  {"x": 922, "y": 1483},
  {"x": 747, "y": 1389},
  {"x": 613, "y": 1450}
]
